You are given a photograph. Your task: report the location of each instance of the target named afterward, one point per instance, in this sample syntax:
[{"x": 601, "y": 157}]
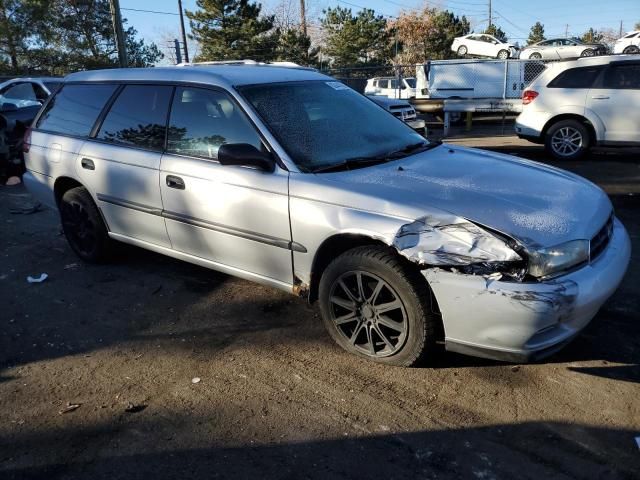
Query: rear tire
[
  {"x": 503, "y": 54},
  {"x": 631, "y": 50},
  {"x": 462, "y": 51},
  {"x": 588, "y": 53},
  {"x": 83, "y": 226},
  {"x": 375, "y": 306},
  {"x": 567, "y": 140}
]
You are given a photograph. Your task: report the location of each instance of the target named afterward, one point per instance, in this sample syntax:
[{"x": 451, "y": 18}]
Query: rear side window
[
  {"x": 623, "y": 77},
  {"x": 138, "y": 117},
  {"x": 583, "y": 77},
  {"x": 75, "y": 108},
  {"x": 202, "y": 120}
]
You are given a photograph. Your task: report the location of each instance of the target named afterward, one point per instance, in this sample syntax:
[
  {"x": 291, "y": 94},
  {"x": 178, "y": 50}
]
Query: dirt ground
[{"x": 276, "y": 399}]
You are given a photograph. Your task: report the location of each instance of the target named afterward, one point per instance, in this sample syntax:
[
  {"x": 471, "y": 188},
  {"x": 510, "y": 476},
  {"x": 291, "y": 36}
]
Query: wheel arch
[
  {"x": 572, "y": 116},
  {"x": 329, "y": 249},
  {"x": 63, "y": 185},
  {"x": 339, "y": 243}
]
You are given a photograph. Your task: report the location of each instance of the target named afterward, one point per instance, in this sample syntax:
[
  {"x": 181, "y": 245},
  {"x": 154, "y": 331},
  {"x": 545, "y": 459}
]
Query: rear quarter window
[
  {"x": 583, "y": 77},
  {"x": 75, "y": 108}
]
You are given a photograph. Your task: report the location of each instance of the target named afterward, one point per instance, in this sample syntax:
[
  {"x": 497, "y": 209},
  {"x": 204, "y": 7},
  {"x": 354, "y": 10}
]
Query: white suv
[
  {"x": 388, "y": 87},
  {"x": 630, "y": 43},
  {"x": 573, "y": 106}
]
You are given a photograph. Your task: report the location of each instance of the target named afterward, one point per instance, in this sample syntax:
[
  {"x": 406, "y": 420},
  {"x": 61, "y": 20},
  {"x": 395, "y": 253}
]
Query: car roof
[
  {"x": 223, "y": 75},
  {"x": 30, "y": 79},
  {"x": 605, "y": 59}
]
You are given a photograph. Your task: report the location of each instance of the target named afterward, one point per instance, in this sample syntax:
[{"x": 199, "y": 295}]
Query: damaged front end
[{"x": 453, "y": 243}]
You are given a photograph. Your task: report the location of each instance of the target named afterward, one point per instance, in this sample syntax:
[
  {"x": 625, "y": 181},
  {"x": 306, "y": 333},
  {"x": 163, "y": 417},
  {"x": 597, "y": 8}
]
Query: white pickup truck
[{"x": 390, "y": 87}]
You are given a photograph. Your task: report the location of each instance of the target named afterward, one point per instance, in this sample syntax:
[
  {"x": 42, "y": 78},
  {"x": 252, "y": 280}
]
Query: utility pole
[
  {"x": 620, "y": 34},
  {"x": 176, "y": 45},
  {"x": 184, "y": 35},
  {"x": 119, "y": 33},
  {"x": 490, "y": 15},
  {"x": 303, "y": 18},
  {"x": 566, "y": 31}
]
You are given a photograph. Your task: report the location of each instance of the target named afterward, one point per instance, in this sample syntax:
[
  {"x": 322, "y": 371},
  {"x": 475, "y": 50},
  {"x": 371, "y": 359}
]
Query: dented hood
[{"x": 538, "y": 205}]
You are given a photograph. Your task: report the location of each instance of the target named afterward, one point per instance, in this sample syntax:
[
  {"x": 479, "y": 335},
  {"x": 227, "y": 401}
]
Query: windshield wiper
[
  {"x": 351, "y": 163},
  {"x": 359, "y": 162},
  {"x": 413, "y": 148}
]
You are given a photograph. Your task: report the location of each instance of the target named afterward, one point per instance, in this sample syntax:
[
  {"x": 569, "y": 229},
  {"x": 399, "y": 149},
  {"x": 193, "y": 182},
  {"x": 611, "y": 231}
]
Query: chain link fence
[{"x": 444, "y": 79}]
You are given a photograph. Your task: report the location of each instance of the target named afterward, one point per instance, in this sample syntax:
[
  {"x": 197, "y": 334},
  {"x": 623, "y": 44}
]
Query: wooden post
[{"x": 119, "y": 33}]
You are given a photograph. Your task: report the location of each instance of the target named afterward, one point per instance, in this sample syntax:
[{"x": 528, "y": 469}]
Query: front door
[
  {"x": 617, "y": 102},
  {"x": 237, "y": 217}
]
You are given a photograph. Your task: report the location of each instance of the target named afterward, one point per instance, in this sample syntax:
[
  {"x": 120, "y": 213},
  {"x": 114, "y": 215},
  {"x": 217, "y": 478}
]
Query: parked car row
[
  {"x": 20, "y": 101},
  {"x": 485, "y": 45}
]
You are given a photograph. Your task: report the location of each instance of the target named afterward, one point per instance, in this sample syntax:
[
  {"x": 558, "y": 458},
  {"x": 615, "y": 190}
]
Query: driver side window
[{"x": 202, "y": 120}]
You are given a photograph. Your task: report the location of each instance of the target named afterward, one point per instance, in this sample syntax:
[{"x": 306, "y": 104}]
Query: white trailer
[
  {"x": 457, "y": 86},
  {"x": 475, "y": 79}
]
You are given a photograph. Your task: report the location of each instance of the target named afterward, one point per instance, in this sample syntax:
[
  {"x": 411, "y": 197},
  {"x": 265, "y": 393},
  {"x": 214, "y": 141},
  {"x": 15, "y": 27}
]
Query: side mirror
[
  {"x": 9, "y": 107},
  {"x": 245, "y": 155}
]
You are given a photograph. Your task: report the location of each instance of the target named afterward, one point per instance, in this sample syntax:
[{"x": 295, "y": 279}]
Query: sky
[{"x": 514, "y": 17}]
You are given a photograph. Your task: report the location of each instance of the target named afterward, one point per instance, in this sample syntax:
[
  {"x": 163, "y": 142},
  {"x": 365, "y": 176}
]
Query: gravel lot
[{"x": 276, "y": 399}]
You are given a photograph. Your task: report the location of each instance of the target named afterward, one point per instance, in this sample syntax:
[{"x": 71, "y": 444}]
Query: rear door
[
  {"x": 237, "y": 217},
  {"x": 120, "y": 163},
  {"x": 616, "y": 100}
]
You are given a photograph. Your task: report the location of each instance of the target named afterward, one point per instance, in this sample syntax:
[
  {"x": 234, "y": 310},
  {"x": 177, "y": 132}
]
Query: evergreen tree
[
  {"x": 295, "y": 46},
  {"x": 496, "y": 32},
  {"x": 61, "y": 36},
  {"x": 537, "y": 34},
  {"x": 233, "y": 29},
  {"x": 355, "y": 39}
]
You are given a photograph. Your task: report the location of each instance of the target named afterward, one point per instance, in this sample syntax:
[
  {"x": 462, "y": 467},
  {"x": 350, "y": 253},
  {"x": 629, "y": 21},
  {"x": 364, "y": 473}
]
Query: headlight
[{"x": 546, "y": 261}]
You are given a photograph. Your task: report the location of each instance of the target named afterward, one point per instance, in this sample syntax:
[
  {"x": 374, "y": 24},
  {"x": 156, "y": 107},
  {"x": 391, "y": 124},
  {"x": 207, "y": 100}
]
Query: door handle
[
  {"x": 600, "y": 97},
  {"x": 175, "y": 182},
  {"x": 87, "y": 164}
]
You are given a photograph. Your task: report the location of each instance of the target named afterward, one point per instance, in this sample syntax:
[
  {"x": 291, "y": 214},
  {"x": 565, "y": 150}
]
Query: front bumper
[
  {"x": 418, "y": 125},
  {"x": 519, "y": 322}
]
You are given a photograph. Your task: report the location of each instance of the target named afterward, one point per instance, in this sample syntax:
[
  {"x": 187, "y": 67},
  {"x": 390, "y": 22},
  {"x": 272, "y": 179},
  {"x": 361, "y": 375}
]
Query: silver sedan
[{"x": 562, "y": 48}]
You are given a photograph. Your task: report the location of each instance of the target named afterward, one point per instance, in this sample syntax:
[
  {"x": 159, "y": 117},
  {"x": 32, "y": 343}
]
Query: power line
[{"x": 148, "y": 11}]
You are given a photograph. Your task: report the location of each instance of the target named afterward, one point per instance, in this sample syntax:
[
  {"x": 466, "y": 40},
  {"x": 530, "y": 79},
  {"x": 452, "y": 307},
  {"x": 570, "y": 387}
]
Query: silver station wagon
[{"x": 287, "y": 177}]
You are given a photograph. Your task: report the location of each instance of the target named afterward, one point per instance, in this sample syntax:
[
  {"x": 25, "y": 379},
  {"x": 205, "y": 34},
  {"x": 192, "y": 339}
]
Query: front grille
[{"x": 601, "y": 239}]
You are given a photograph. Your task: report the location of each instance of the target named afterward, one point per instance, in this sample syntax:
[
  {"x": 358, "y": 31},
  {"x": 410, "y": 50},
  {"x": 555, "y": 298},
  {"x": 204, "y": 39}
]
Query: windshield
[
  {"x": 411, "y": 82},
  {"x": 323, "y": 123}
]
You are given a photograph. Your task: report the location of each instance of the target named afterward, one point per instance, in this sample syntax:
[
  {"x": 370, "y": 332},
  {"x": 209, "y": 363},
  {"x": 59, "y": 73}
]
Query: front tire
[
  {"x": 462, "y": 51},
  {"x": 535, "y": 56},
  {"x": 631, "y": 50},
  {"x": 83, "y": 226},
  {"x": 567, "y": 140},
  {"x": 503, "y": 54},
  {"x": 376, "y": 306},
  {"x": 588, "y": 53}
]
